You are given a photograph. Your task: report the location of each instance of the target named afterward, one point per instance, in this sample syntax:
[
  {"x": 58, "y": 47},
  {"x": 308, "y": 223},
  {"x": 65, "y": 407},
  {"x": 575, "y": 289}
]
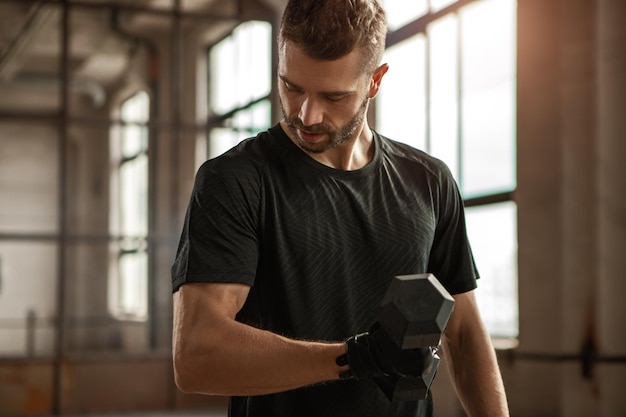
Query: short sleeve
[
  {"x": 451, "y": 258},
  {"x": 219, "y": 240}
]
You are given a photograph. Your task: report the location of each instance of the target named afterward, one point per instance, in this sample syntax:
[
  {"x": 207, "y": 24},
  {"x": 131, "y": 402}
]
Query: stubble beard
[{"x": 335, "y": 137}]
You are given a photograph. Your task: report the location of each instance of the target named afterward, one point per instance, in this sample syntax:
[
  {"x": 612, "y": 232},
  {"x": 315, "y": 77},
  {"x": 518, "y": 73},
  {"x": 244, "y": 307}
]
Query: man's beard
[{"x": 335, "y": 137}]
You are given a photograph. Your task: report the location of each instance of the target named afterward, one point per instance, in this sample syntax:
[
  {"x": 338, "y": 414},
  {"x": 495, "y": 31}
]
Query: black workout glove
[{"x": 374, "y": 354}]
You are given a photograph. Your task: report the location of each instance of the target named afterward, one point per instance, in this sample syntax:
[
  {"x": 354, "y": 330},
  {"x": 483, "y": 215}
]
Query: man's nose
[{"x": 311, "y": 112}]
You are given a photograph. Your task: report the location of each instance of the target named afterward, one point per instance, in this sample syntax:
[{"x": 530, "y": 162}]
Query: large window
[
  {"x": 450, "y": 91},
  {"x": 128, "y": 283},
  {"x": 240, "y": 85}
]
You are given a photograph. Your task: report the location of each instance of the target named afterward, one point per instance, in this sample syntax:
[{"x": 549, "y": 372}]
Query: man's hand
[{"x": 374, "y": 354}]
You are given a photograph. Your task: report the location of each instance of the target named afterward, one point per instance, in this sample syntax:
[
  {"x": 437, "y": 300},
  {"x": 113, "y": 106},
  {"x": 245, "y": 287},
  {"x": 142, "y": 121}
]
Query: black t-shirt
[{"x": 319, "y": 246}]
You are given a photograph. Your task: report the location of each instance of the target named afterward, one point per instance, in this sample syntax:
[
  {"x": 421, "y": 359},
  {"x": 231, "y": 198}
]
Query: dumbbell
[{"x": 414, "y": 313}]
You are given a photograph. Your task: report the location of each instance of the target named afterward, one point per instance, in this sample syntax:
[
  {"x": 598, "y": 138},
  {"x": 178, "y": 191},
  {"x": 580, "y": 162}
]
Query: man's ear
[{"x": 376, "y": 80}]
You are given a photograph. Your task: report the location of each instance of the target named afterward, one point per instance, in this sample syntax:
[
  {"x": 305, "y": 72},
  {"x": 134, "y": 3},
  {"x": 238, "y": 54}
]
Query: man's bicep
[
  {"x": 198, "y": 302},
  {"x": 200, "y": 311},
  {"x": 203, "y": 315}
]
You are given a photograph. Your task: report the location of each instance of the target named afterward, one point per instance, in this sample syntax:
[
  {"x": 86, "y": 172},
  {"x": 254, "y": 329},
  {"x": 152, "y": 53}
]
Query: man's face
[{"x": 323, "y": 102}]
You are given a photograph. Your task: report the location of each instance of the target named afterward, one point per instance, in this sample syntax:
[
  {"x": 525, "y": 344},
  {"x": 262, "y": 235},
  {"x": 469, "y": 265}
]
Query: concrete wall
[{"x": 571, "y": 85}]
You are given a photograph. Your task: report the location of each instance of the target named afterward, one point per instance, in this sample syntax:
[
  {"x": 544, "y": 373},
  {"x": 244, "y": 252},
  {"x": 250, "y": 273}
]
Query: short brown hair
[{"x": 331, "y": 29}]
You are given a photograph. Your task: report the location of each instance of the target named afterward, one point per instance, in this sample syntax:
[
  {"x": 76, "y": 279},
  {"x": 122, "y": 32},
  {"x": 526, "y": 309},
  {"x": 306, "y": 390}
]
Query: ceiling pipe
[{"x": 36, "y": 17}]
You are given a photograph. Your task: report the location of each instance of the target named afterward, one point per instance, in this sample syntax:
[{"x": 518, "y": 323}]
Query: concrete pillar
[
  {"x": 611, "y": 93},
  {"x": 578, "y": 189},
  {"x": 533, "y": 386},
  {"x": 571, "y": 207}
]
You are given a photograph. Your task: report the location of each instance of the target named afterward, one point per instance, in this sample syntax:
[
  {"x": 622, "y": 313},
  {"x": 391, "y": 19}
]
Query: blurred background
[{"x": 107, "y": 108}]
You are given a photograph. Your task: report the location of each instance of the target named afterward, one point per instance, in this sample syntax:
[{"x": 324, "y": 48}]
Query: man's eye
[
  {"x": 335, "y": 99},
  {"x": 289, "y": 87}
]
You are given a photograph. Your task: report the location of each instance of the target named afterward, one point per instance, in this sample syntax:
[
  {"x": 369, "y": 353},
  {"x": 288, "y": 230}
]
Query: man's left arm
[{"x": 471, "y": 361}]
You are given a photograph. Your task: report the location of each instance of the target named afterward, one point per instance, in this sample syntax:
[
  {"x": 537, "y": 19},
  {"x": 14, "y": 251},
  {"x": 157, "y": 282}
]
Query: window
[
  {"x": 401, "y": 13},
  {"x": 240, "y": 85},
  {"x": 457, "y": 66},
  {"x": 128, "y": 283},
  {"x": 492, "y": 230}
]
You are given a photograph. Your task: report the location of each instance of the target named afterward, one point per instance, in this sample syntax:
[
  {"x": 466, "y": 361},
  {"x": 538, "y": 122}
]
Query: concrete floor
[{"x": 214, "y": 412}]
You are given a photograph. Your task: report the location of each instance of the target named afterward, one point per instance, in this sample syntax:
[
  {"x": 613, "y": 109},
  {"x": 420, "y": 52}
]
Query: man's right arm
[{"x": 215, "y": 354}]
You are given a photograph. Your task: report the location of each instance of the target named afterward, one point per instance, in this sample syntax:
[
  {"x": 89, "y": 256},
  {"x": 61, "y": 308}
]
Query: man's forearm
[
  {"x": 250, "y": 361},
  {"x": 473, "y": 368},
  {"x": 214, "y": 354}
]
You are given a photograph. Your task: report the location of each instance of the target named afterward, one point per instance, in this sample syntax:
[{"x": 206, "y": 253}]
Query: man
[{"x": 291, "y": 239}]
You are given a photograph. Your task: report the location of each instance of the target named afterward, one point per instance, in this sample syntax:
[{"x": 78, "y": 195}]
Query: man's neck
[{"x": 355, "y": 153}]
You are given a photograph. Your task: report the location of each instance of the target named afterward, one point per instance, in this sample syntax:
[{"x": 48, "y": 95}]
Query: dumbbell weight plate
[{"x": 415, "y": 310}]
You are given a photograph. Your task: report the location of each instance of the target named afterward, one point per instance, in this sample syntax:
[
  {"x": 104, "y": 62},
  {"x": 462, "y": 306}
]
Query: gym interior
[{"x": 107, "y": 108}]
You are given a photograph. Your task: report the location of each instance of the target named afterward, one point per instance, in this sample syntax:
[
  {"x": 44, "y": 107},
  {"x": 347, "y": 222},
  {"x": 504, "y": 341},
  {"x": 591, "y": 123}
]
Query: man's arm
[
  {"x": 472, "y": 362},
  {"x": 214, "y": 354}
]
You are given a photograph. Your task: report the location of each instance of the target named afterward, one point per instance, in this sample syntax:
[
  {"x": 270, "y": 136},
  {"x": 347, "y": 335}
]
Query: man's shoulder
[
  {"x": 402, "y": 153},
  {"x": 249, "y": 156}
]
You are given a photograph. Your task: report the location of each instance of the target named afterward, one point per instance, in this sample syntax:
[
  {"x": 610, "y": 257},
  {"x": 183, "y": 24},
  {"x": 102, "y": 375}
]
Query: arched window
[{"x": 128, "y": 280}]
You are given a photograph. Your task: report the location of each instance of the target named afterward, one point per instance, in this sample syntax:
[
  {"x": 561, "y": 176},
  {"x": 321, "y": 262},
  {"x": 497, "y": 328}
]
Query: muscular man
[{"x": 292, "y": 237}]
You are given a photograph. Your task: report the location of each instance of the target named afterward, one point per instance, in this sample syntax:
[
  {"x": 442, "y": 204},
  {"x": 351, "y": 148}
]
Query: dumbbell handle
[{"x": 410, "y": 388}]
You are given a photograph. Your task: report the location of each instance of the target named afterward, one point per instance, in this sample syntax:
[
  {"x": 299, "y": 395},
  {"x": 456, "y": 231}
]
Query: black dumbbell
[{"x": 414, "y": 313}]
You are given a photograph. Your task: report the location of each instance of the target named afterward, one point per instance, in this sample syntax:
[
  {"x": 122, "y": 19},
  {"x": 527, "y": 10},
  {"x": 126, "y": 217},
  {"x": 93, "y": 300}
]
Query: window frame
[{"x": 420, "y": 26}]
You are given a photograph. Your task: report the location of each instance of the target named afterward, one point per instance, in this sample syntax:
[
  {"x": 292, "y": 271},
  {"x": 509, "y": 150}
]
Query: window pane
[
  {"x": 399, "y": 13},
  {"x": 223, "y": 75},
  {"x": 436, "y": 5},
  {"x": 488, "y": 121},
  {"x": 254, "y": 119},
  {"x": 488, "y": 141},
  {"x": 396, "y": 117},
  {"x": 222, "y": 139},
  {"x": 133, "y": 140},
  {"x": 240, "y": 67},
  {"x": 242, "y": 125},
  {"x": 135, "y": 109},
  {"x": 493, "y": 234},
  {"x": 134, "y": 197},
  {"x": 488, "y": 36},
  {"x": 132, "y": 297},
  {"x": 444, "y": 91},
  {"x": 135, "y": 137},
  {"x": 254, "y": 60}
]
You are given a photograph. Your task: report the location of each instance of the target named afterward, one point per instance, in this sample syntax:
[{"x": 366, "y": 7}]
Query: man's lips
[{"x": 310, "y": 136}]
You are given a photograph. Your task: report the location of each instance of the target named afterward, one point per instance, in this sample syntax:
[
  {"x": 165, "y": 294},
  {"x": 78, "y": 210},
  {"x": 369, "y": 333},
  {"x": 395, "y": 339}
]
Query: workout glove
[{"x": 374, "y": 354}]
